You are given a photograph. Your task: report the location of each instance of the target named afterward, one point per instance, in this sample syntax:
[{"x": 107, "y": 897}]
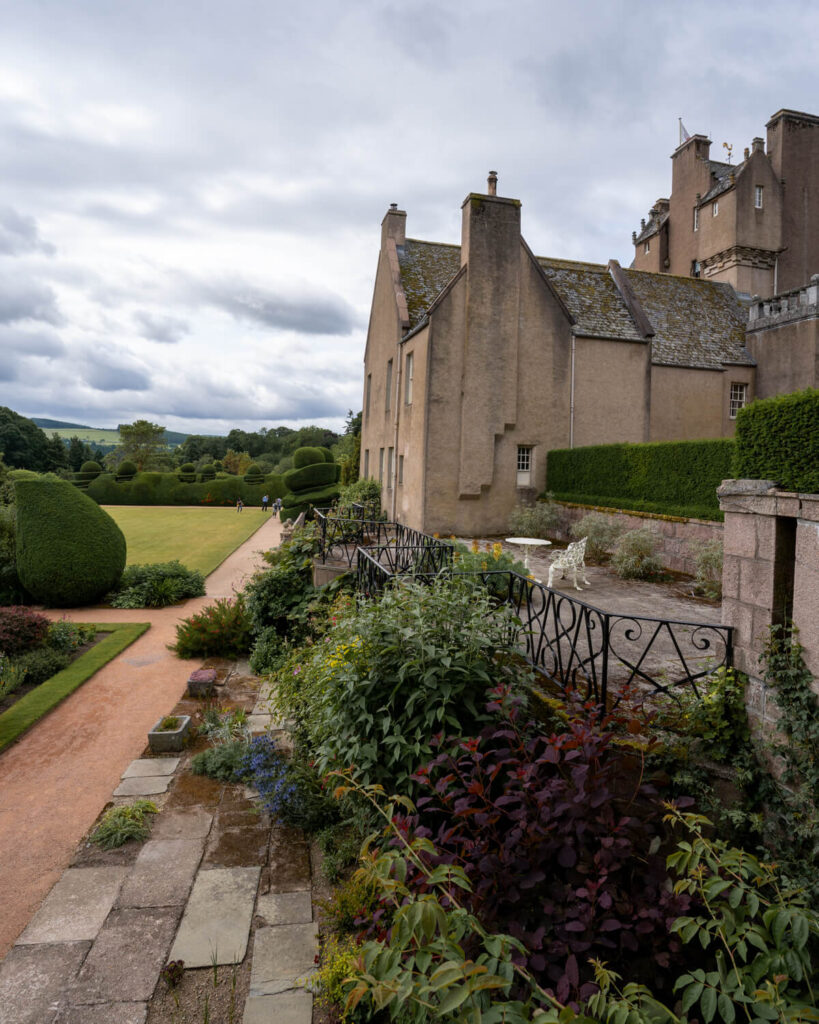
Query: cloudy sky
[{"x": 191, "y": 190}]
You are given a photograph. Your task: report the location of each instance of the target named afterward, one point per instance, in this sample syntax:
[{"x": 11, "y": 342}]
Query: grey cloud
[
  {"x": 31, "y": 343},
  {"x": 110, "y": 377},
  {"x": 308, "y": 314},
  {"x": 22, "y": 298},
  {"x": 18, "y": 234},
  {"x": 157, "y": 327}
]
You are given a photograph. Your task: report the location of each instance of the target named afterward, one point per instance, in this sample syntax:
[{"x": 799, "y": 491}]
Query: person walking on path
[
  {"x": 265, "y": 501},
  {"x": 239, "y": 505},
  {"x": 278, "y": 504}
]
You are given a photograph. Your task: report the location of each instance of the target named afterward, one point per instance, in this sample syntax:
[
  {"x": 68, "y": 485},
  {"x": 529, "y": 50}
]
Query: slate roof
[
  {"x": 655, "y": 222},
  {"x": 426, "y": 269},
  {"x": 721, "y": 175},
  {"x": 696, "y": 323},
  {"x": 592, "y": 298}
]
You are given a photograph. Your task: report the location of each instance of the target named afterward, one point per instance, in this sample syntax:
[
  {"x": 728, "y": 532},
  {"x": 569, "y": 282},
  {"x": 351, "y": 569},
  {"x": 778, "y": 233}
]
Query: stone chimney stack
[
  {"x": 758, "y": 145},
  {"x": 394, "y": 225},
  {"x": 492, "y": 183}
]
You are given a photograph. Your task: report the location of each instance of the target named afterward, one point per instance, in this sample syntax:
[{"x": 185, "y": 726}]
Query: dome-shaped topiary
[
  {"x": 328, "y": 455},
  {"x": 187, "y": 473},
  {"x": 187, "y": 467},
  {"x": 91, "y": 467},
  {"x": 69, "y": 551},
  {"x": 306, "y": 457},
  {"x": 126, "y": 470},
  {"x": 207, "y": 472},
  {"x": 253, "y": 474}
]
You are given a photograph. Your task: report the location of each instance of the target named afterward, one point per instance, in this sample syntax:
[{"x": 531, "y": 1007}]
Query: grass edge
[{"x": 30, "y": 709}]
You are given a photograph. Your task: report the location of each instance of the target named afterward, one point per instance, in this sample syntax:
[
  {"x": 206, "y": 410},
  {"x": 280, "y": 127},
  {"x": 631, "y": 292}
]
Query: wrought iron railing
[{"x": 340, "y": 538}]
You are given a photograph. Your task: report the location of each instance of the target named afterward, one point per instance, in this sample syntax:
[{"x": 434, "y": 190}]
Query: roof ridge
[
  {"x": 442, "y": 245},
  {"x": 599, "y": 267}
]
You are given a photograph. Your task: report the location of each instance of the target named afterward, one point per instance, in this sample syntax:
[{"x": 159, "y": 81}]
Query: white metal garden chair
[{"x": 571, "y": 560}]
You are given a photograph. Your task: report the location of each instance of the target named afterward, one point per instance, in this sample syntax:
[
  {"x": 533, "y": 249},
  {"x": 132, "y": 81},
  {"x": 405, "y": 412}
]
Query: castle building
[
  {"x": 482, "y": 357},
  {"x": 753, "y": 224}
]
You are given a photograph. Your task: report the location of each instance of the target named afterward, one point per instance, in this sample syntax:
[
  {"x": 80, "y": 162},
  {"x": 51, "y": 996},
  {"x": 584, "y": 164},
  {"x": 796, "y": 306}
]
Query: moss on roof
[
  {"x": 426, "y": 269},
  {"x": 697, "y": 323}
]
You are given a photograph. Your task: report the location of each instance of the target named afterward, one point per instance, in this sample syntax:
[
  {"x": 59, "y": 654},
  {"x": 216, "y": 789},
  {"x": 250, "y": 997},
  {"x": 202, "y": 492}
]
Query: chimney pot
[
  {"x": 492, "y": 183},
  {"x": 758, "y": 145},
  {"x": 747, "y": 152},
  {"x": 393, "y": 206}
]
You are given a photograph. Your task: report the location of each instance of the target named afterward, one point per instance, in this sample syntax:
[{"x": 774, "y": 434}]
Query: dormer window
[{"x": 758, "y": 197}]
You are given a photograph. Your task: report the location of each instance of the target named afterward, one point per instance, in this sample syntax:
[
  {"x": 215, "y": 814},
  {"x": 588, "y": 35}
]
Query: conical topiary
[{"x": 69, "y": 551}]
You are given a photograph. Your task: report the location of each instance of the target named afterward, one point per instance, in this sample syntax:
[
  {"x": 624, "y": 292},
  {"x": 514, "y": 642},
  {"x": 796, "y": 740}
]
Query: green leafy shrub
[
  {"x": 21, "y": 629},
  {"x": 543, "y": 519},
  {"x": 676, "y": 477},
  {"x": 222, "y": 629},
  {"x": 635, "y": 556},
  {"x": 128, "y": 821},
  {"x": 224, "y": 762},
  {"x": 777, "y": 439},
  {"x": 492, "y": 559},
  {"x": 207, "y": 472},
  {"x": 279, "y": 596},
  {"x": 11, "y": 589},
  {"x": 268, "y": 651},
  {"x": 157, "y": 585},
  {"x": 601, "y": 532},
  {"x": 41, "y": 664},
  {"x": 365, "y": 492},
  {"x": 12, "y": 676},
  {"x": 69, "y": 551},
  {"x": 395, "y": 672},
  {"x": 312, "y": 481},
  {"x": 68, "y": 637},
  {"x": 337, "y": 959},
  {"x": 708, "y": 555}
]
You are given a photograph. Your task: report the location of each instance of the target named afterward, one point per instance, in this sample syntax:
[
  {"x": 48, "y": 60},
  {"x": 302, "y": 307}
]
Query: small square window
[
  {"x": 524, "y": 458},
  {"x": 715, "y": 208},
  {"x": 758, "y": 197},
  {"x": 738, "y": 399}
]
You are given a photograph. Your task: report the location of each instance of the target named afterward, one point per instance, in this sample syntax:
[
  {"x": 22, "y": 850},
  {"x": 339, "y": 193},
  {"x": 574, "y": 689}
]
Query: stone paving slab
[
  {"x": 33, "y": 979},
  {"x": 104, "y": 1013},
  {"x": 125, "y": 961},
  {"x": 241, "y": 847},
  {"x": 148, "y": 766},
  {"x": 294, "y": 1007},
  {"x": 285, "y": 908},
  {"x": 182, "y": 823},
  {"x": 76, "y": 907},
  {"x": 258, "y": 723},
  {"x": 141, "y": 786},
  {"x": 217, "y": 918},
  {"x": 289, "y": 861},
  {"x": 163, "y": 873},
  {"x": 282, "y": 956}
]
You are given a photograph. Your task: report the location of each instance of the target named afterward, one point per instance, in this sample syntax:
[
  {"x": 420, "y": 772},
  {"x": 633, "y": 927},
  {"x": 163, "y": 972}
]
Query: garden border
[{"x": 30, "y": 709}]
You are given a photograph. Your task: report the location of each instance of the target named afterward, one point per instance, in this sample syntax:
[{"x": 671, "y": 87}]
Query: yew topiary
[
  {"x": 127, "y": 470},
  {"x": 207, "y": 472},
  {"x": 187, "y": 473},
  {"x": 91, "y": 467},
  {"x": 312, "y": 481},
  {"x": 69, "y": 551},
  {"x": 253, "y": 474}
]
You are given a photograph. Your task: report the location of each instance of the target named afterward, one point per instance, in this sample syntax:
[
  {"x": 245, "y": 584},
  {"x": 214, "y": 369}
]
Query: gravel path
[{"x": 55, "y": 779}]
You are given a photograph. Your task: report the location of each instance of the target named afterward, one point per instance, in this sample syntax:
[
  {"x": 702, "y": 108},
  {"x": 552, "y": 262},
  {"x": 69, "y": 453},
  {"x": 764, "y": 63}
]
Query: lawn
[{"x": 200, "y": 538}]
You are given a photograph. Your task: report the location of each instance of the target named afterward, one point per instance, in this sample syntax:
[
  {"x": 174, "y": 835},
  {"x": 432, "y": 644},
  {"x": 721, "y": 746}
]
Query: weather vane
[{"x": 728, "y": 149}]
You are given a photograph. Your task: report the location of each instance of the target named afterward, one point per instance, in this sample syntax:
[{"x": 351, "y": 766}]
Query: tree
[
  {"x": 348, "y": 449},
  {"x": 23, "y": 444},
  {"x": 57, "y": 453},
  {"x": 141, "y": 442},
  {"x": 236, "y": 462}
]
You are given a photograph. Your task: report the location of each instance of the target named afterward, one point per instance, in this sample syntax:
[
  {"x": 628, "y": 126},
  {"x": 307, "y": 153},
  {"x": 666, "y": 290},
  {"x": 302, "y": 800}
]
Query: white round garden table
[{"x": 527, "y": 543}]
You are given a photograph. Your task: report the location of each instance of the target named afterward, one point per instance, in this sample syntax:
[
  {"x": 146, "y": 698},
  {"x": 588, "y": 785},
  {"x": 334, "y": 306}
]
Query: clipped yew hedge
[
  {"x": 167, "y": 489},
  {"x": 312, "y": 481},
  {"x": 778, "y": 439},
  {"x": 669, "y": 477},
  {"x": 69, "y": 551}
]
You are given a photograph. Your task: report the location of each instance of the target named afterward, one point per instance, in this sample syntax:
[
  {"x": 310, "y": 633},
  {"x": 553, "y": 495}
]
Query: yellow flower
[
  {"x": 496, "y": 550},
  {"x": 474, "y": 547}
]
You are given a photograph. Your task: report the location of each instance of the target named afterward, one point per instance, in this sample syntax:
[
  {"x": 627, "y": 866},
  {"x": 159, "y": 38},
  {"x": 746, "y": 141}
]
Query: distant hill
[{"x": 95, "y": 435}]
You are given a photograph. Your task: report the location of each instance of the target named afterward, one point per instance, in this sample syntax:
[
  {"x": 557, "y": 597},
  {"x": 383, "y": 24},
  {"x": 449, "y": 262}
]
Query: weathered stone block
[{"x": 740, "y": 535}]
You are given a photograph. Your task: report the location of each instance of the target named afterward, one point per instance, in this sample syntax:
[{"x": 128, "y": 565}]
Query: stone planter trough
[
  {"x": 166, "y": 740},
  {"x": 201, "y": 683}
]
